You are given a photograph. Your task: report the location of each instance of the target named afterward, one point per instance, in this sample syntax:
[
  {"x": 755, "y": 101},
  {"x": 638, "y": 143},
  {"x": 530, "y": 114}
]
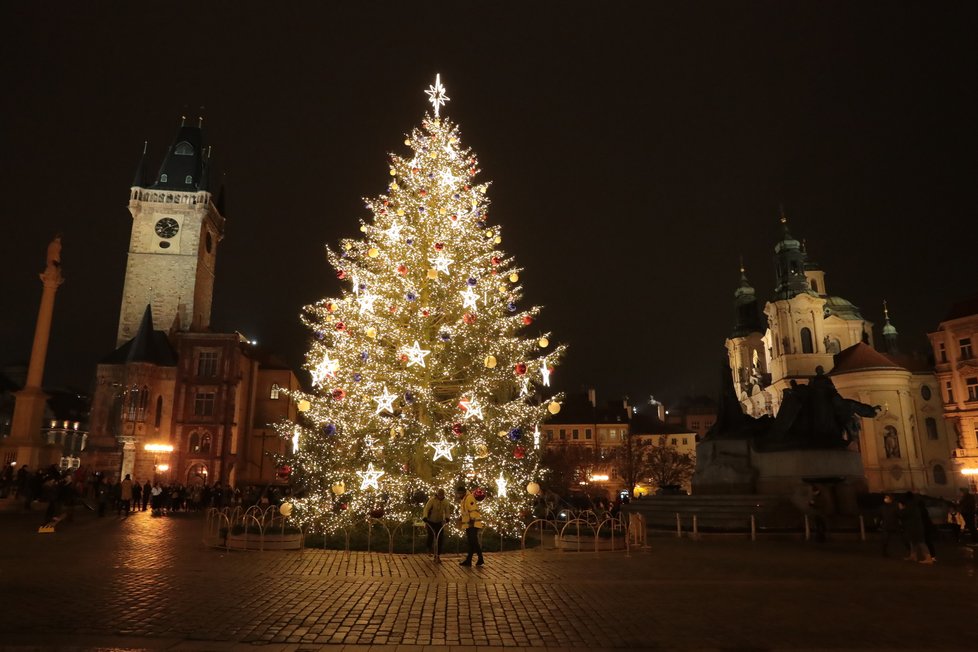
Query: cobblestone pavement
[{"x": 148, "y": 582}]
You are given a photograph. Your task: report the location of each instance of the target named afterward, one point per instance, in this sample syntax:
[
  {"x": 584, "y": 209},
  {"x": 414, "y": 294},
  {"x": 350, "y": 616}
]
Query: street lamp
[{"x": 157, "y": 449}]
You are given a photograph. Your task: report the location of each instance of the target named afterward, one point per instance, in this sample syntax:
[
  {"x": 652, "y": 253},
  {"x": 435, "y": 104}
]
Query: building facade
[{"x": 956, "y": 367}]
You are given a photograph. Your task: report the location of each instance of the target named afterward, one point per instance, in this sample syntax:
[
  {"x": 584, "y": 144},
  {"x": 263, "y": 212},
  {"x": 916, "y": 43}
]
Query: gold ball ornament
[
  {"x": 407, "y": 141},
  {"x": 543, "y": 342},
  {"x": 554, "y": 407},
  {"x": 285, "y": 509},
  {"x": 533, "y": 488},
  {"x": 497, "y": 239},
  {"x": 400, "y": 212},
  {"x": 394, "y": 185},
  {"x": 432, "y": 154},
  {"x": 339, "y": 488},
  {"x": 393, "y": 172},
  {"x": 503, "y": 433},
  {"x": 373, "y": 252},
  {"x": 432, "y": 273},
  {"x": 490, "y": 361},
  {"x": 304, "y": 405},
  {"x": 363, "y": 228},
  {"x": 514, "y": 277},
  {"x": 347, "y": 246},
  {"x": 396, "y": 432},
  {"x": 481, "y": 451},
  {"x": 372, "y": 332}
]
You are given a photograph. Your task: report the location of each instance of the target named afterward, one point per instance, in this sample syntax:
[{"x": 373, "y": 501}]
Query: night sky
[{"x": 636, "y": 150}]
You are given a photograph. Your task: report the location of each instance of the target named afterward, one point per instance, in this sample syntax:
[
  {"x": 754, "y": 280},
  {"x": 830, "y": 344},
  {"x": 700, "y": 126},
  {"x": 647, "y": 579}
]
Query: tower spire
[
  {"x": 890, "y": 334},
  {"x": 140, "y": 174}
]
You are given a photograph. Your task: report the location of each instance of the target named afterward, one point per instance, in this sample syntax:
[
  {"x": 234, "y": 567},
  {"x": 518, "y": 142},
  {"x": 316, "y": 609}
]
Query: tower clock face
[{"x": 167, "y": 227}]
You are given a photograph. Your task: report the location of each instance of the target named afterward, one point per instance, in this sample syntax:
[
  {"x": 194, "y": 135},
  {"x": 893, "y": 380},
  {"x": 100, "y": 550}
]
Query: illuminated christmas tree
[{"x": 421, "y": 375}]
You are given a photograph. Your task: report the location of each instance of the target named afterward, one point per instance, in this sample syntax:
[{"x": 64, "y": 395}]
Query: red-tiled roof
[{"x": 861, "y": 357}]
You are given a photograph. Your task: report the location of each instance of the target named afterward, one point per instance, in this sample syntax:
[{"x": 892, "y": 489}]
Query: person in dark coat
[
  {"x": 147, "y": 490},
  {"x": 819, "y": 505},
  {"x": 913, "y": 528},
  {"x": 966, "y": 507},
  {"x": 890, "y": 525}
]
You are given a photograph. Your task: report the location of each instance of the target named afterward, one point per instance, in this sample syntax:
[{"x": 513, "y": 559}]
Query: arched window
[
  {"x": 806, "y": 341},
  {"x": 159, "y": 411},
  {"x": 143, "y": 402},
  {"x": 188, "y": 179},
  {"x": 940, "y": 475},
  {"x": 205, "y": 444},
  {"x": 194, "y": 446},
  {"x": 931, "y": 426},
  {"x": 132, "y": 404},
  {"x": 162, "y": 178},
  {"x": 183, "y": 148}
]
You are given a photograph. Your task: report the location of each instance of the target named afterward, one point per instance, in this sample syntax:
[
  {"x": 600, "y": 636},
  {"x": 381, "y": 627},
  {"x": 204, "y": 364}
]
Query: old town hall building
[{"x": 176, "y": 401}]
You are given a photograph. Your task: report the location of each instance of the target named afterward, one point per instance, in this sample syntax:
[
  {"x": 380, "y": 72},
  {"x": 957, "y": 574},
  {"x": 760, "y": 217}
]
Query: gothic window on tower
[
  {"x": 132, "y": 404},
  {"x": 143, "y": 404},
  {"x": 207, "y": 364},
  {"x": 194, "y": 443},
  {"x": 204, "y": 404},
  {"x": 188, "y": 180},
  {"x": 162, "y": 178},
  {"x": 806, "y": 341},
  {"x": 183, "y": 148}
]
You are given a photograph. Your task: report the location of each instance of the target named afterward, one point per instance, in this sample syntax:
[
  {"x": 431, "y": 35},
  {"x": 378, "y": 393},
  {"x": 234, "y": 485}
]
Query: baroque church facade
[
  {"x": 804, "y": 330},
  {"x": 183, "y": 404}
]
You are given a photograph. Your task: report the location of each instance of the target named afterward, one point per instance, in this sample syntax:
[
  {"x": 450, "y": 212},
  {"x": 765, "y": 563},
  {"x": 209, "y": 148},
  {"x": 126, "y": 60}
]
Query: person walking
[
  {"x": 147, "y": 490},
  {"x": 434, "y": 514},
  {"x": 470, "y": 520},
  {"x": 913, "y": 528},
  {"x": 890, "y": 525},
  {"x": 966, "y": 508},
  {"x": 125, "y": 495},
  {"x": 137, "y": 495}
]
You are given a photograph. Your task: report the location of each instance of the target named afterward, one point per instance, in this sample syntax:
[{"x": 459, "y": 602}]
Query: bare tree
[{"x": 663, "y": 465}]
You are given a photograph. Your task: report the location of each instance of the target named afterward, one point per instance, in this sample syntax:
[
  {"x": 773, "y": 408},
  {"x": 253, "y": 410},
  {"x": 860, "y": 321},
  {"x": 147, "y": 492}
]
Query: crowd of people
[{"x": 62, "y": 489}]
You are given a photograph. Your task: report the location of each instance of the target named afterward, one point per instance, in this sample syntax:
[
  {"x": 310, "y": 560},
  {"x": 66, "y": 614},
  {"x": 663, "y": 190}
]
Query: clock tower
[{"x": 176, "y": 228}]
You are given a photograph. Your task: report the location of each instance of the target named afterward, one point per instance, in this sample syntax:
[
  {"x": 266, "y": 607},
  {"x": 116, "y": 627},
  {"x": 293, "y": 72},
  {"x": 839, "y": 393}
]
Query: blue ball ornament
[
  {"x": 410, "y": 296},
  {"x": 480, "y": 224},
  {"x": 363, "y": 356},
  {"x": 444, "y": 336},
  {"x": 357, "y": 377},
  {"x": 363, "y": 286},
  {"x": 472, "y": 282},
  {"x": 408, "y": 397},
  {"x": 329, "y": 430},
  {"x": 511, "y": 306},
  {"x": 410, "y": 241},
  {"x": 515, "y": 434}
]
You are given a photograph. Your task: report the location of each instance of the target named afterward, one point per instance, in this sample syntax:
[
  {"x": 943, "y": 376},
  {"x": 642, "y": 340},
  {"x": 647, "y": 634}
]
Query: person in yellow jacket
[{"x": 470, "y": 520}]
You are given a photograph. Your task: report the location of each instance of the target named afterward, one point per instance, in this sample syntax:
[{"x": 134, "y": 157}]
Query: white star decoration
[
  {"x": 441, "y": 263},
  {"x": 325, "y": 369},
  {"x": 443, "y": 449},
  {"x": 385, "y": 401},
  {"x": 545, "y": 372},
  {"x": 369, "y": 477},
  {"x": 446, "y": 178},
  {"x": 394, "y": 230},
  {"x": 436, "y": 94},
  {"x": 416, "y": 354},
  {"x": 501, "y": 485},
  {"x": 471, "y": 408},
  {"x": 370, "y": 442},
  {"x": 366, "y": 303},
  {"x": 469, "y": 298}
]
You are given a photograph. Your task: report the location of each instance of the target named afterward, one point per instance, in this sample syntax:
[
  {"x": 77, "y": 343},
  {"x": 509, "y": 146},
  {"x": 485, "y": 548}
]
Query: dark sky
[{"x": 636, "y": 150}]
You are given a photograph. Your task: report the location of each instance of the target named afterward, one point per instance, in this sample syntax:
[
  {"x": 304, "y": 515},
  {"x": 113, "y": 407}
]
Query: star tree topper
[{"x": 436, "y": 94}]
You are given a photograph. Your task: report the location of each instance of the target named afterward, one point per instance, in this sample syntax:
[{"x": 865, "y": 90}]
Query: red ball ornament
[
  {"x": 495, "y": 260},
  {"x": 386, "y": 203},
  {"x": 341, "y": 274},
  {"x": 330, "y": 306},
  {"x": 468, "y": 318},
  {"x": 479, "y": 494},
  {"x": 527, "y": 320},
  {"x": 425, "y": 312},
  {"x": 415, "y": 170},
  {"x": 454, "y": 218},
  {"x": 392, "y": 309},
  {"x": 401, "y": 269},
  {"x": 340, "y": 326},
  {"x": 458, "y": 429},
  {"x": 423, "y": 192},
  {"x": 471, "y": 172},
  {"x": 519, "y": 452},
  {"x": 404, "y": 358},
  {"x": 520, "y": 368},
  {"x": 439, "y": 246},
  {"x": 468, "y": 187},
  {"x": 338, "y": 394},
  {"x": 342, "y": 507}
]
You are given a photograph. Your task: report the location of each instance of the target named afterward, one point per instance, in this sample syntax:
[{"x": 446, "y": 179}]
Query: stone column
[{"x": 24, "y": 446}]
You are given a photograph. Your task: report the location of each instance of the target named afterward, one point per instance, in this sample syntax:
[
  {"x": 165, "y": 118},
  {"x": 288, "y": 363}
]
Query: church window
[
  {"x": 162, "y": 178},
  {"x": 207, "y": 364},
  {"x": 972, "y": 386},
  {"x": 183, "y": 148},
  {"x": 891, "y": 443},
  {"x": 806, "y": 341},
  {"x": 205, "y": 444},
  {"x": 966, "y": 353},
  {"x": 159, "y": 411},
  {"x": 931, "y": 424},
  {"x": 194, "y": 444},
  {"x": 132, "y": 404},
  {"x": 188, "y": 179},
  {"x": 275, "y": 391},
  {"x": 940, "y": 475},
  {"x": 143, "y": 403},
  {"x": 925, "y": 392},
  {"x": 204, "y": 404}
]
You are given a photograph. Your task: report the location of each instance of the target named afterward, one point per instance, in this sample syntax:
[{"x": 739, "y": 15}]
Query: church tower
[
  {"x": 789, "y": 265},
  {"x": 176, "y": 228}
]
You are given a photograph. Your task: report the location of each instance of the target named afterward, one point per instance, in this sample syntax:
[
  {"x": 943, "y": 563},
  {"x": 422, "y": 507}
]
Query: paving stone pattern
[{"x": 150, "y": 580}]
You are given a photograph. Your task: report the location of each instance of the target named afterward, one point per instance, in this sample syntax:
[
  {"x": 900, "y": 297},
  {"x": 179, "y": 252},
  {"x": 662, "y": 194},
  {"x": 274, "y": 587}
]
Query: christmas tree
[{"x": 421, "y": 376}]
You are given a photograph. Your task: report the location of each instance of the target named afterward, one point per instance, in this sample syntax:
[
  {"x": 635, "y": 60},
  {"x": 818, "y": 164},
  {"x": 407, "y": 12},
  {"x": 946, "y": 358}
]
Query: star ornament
[
  {"x": 436, "y": 94},
  {"x": 443, "y": 450},
  {"x": 369, "y": 477},
  {"x": 416, "y": 354},
  {"x": 385, "y": 402},
  {"x": 501, "y": 485},
  {"x": 366, "y": 302},
  {"x": 471, "y": 408},
  {"x": 325, "y": 369},
  {"x": 441, "y": 263},
  {"x": 469, "y": 299}
]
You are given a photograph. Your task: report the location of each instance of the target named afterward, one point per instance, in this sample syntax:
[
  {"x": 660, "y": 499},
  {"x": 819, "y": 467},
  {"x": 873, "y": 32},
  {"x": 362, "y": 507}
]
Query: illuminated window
[
  {"x": 204, "y": 404},
  {"x": 205, "y": 444},
  {"x": 965, "y": 343},
  {"x": 207, "y": 364},
  {"x": 194, "y": 444},
  {"x": 143, "y": 403},
  {"x": 275, "y": 391},
  {"x": 188, "y": 179},
  {"x": 183, "y": 148}
]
